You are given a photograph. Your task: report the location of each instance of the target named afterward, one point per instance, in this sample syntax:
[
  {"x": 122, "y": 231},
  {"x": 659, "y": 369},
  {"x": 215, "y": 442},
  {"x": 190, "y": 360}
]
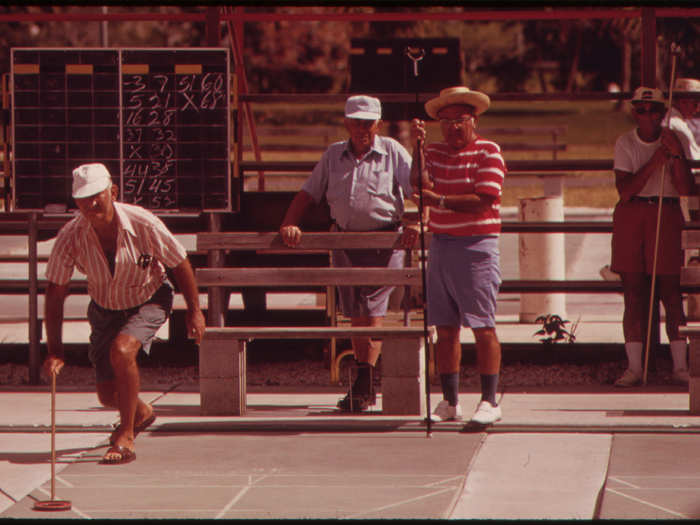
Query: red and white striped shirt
[
  {"x": 479, "y": 168},
  {"x": 144, "y": 246}
]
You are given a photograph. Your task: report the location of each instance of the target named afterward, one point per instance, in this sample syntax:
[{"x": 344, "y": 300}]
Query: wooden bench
[
  {"x": 222, "y": 364},
  {"x": 218, "y": 341},
  {"x": 553, "y": 132},
  {"x": 690, "y": 276}
]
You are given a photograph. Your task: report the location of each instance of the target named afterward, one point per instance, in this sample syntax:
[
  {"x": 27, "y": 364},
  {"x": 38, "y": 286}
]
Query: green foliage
[{"x": 312, "y": 56}]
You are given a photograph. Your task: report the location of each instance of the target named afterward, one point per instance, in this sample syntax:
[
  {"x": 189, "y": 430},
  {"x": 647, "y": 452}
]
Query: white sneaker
[
  {"x": 444, "y": 412},
  {"x": 486, "y": 413},
  {"x": 628, "y": 379},
  {"x": 681, "y": 377}
]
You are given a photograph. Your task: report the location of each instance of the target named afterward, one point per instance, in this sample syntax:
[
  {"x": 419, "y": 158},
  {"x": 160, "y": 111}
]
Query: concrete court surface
[{"x": 555, "y": 455}]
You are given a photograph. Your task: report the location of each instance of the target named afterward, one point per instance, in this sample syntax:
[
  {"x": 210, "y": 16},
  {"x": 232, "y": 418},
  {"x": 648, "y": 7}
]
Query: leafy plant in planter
[{"x": 553, "y": 326}]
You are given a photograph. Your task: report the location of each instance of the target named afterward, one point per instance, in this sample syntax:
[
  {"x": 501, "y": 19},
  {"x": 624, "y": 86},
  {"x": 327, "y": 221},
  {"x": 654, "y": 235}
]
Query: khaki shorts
[
  {"x": 634, "y": 233},
  {"x": 141, "y": 322}
]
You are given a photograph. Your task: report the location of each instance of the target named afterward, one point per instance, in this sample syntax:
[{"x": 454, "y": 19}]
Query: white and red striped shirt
[
  {"x": 479, "y": 168},
  {"x": 144, "y": 247}
]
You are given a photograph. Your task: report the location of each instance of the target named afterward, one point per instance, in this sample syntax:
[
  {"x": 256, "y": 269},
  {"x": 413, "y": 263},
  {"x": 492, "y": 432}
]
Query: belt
[
  {"x": 655, "y": 200},
  {"x": 391, "y": 227}
]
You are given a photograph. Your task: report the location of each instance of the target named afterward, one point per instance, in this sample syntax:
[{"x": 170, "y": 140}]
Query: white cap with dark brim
[
  {"x": 363, "y": 107},
  {"x": 90, "y": 179}
]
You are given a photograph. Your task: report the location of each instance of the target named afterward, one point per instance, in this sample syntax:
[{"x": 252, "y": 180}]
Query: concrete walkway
[{"x": 603, "y": 453}]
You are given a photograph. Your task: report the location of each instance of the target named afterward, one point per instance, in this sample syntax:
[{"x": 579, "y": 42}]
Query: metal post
[
  {"x": 416, "y": 54},
  {"x": 215, "y": 258},
  {"x": 34, "y": 335},
  {"x": 104, "y": 29},
  {"x": 213, "y": 30},
  {"x": 648, "y": 47}
]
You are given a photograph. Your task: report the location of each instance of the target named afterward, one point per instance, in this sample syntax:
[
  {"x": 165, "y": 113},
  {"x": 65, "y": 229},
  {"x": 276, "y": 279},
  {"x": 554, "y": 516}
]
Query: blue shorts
[
  {"x": 366, "y": 301},
  {"x": 463, "y": 280},
  {"x": 141, "y": 322}
]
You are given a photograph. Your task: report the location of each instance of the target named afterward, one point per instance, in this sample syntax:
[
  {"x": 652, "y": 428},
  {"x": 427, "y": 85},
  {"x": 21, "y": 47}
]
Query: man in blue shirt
[{"x": 365, "y": 181}]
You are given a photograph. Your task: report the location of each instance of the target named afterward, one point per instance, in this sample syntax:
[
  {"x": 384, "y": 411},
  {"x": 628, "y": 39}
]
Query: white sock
[
  {"x": 634, "y": 356},
  {"x": 679, "y": 355}
]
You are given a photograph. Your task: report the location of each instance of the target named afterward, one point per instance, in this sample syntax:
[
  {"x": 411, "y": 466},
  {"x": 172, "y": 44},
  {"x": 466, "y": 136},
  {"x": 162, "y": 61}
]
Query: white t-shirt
[
  {"x": 631, "y": 153},
  {"x": 682, "y": 128},
  {"x": 694, "y": 125}
]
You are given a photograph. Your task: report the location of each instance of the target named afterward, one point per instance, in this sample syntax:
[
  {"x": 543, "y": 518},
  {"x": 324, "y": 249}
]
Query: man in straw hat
[
  {"x": 641, "y": 155},
  {"x": 686, "y": 108},
  {"x": 364, "y": 180},
  {"x": 462, "y": 180},
  {"x": 123, "y": 250}
]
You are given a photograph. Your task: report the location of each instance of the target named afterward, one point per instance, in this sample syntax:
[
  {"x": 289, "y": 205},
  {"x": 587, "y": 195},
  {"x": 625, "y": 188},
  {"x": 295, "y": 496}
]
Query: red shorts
[{"x": 634, "y": 232}]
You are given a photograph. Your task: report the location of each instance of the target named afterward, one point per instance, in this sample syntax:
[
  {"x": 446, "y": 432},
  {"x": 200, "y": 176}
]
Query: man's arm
[
  {"x": 681, "y": 175},
  {"x": 289, "y": 229},
  {"x": 467, "y": 202},
  {"x": 53, "y": 317},
  {"x": 184, "y": 275}
]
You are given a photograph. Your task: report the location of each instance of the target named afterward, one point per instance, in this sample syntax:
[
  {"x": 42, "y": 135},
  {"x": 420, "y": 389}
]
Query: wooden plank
[
  {"x": 521, "y": 146},
  {"x": 524, "y": 130},
  {"x": 690, "y": 330},
  {"x": 307, "y": 276},
  {"x": 323, "y": 276},
  {"x": 690, "y": 239},
  {"x": 309, "y": 241},
  {"x": 309, "y": 332},
  {"x": 690, "y": 275}
]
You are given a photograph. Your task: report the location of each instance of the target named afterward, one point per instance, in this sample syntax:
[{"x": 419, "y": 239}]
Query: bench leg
[
  {"x": 694, "y": 372},
  {"x": 222, "y": 377},
  {"x": 403, "y": 376}
]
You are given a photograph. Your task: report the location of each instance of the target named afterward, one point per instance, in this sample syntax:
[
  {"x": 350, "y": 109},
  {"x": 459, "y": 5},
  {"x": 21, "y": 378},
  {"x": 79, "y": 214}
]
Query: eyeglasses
[
  {"x": 463, "y": 121},
  {"x": 361, "y": 123},
  {"x": 643, "y": 111}
]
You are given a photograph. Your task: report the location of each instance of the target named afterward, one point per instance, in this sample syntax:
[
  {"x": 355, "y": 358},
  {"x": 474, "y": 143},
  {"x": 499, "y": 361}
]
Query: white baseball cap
[
  {"x": 363, "y": 107},
  {"x": 90, "y": 179}
]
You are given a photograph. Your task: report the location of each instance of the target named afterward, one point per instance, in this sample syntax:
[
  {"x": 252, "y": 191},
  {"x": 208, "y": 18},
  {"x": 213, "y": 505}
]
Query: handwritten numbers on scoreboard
[{"x": 171, "y": 113}]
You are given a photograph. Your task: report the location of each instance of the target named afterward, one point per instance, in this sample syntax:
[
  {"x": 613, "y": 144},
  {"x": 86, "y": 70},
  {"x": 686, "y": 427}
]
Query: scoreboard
[{"x": 159, "y": 119}]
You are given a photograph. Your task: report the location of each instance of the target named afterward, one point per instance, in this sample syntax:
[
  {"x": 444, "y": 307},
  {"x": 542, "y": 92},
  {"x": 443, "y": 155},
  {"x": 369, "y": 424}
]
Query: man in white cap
[
  {"x": 462, "y": 181},
  {"x": 123, "y": 250},
  {"x": 641, "y": 155},
  {"x": 364, "y": 180}
]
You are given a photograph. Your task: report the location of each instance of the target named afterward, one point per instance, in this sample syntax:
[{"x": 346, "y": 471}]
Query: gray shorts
[
  {"x": 366, "y": 301},
  {"x": 141, "y": 322},
  {"x": 463, "y": 281}
]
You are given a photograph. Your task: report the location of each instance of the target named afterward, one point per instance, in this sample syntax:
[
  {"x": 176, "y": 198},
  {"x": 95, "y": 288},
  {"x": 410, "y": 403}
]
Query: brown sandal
[{"x": 125, "y": 456}]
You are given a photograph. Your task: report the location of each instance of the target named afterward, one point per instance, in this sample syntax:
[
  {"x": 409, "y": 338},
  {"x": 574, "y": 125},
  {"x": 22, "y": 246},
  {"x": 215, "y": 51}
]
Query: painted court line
[
  {"x": 647, "y": 503},
  {"x": 238, "y": 496},
  {"x": 399, "y": 503},
  {"x": 620, "y": 480}
]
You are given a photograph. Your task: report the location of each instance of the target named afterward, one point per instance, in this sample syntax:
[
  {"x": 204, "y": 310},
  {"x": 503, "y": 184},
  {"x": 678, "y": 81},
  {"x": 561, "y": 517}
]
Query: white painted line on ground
[
  {"x": 399, "y": 503},
  {"x": 238, "y": 496},
  {"x": 66, "y": 483},
  {"x": 647, "y": 503},
  {"x": 620, "y": 480}
]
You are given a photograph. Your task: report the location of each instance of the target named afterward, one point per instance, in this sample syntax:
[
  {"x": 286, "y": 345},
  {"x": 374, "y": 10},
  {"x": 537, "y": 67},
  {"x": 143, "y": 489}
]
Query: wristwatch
[{"x": 441, "y": 202}]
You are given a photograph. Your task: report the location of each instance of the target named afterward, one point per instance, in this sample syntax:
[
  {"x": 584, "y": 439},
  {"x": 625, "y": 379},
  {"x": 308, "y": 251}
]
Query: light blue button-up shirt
[{"x": 367, "y": 193}]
